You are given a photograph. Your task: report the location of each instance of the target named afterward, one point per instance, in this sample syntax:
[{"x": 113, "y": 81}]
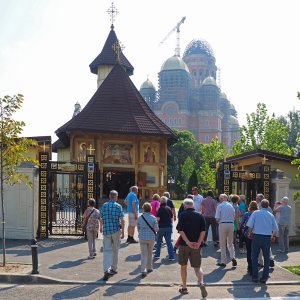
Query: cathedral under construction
[{"x": 188, "y": 96}]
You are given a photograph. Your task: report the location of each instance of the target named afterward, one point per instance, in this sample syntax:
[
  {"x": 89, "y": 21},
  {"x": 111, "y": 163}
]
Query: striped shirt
[
  {"x": 145, "y": 233},
  {"x": 111, "y": 213}
]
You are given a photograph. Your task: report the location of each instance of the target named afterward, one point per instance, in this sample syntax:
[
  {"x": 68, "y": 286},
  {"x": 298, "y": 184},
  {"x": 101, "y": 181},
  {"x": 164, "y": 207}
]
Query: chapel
[{"x": 128, "y": 141}]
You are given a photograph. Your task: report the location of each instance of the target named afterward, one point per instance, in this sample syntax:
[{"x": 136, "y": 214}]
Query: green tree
[
  {"x": 12, "y": 151},
  {"x": 212, "y": 152},
  {"x": 296, "y": 195},
  {"x": 186, "y": 146},
  {"x": 292, "y": 121},
  {"x": 262, "y": 132},
  {"x": 193, "y": 181},
  {"x": 186, "y": 170}
]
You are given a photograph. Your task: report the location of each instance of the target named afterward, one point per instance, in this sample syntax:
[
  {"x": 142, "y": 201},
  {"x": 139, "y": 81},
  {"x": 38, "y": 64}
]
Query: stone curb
[{"x": 40, "y": 279}]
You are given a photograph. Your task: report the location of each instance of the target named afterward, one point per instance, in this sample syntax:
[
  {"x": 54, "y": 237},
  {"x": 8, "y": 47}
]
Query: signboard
[{"x": 226, "y": 174}]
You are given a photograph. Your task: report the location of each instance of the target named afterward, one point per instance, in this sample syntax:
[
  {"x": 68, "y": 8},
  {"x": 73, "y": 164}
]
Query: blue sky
[{"x": 46, "y": 47}]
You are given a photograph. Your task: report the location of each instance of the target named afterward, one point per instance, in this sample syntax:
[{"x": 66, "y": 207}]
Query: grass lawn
[
  {"x": 177, "y": 203},
  {"x": 293, "y": 269}
]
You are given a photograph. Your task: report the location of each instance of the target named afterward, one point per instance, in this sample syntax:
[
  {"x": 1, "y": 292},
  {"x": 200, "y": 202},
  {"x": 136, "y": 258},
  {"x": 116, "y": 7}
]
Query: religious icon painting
[
  {"x": 117, "y": 153},
  {"x": 82, "y": 151},
  {"x": 150, "y": 152}
]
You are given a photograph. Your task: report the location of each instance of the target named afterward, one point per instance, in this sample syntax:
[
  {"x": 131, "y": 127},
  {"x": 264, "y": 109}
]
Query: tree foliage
[
  {"x": 193, "y": 181},
  {"x": 212, "y": 152},
  {"x": 182, "y": 154},
  {"x": 296, "y": 195},
  {"x": 188, "y": 157},
  {"x": 292, "y": 121},
  {"x": 12, "y": 150},
  {"x": 262, "y": 132}
]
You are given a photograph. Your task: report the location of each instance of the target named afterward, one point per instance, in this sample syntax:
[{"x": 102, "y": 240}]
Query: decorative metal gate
[
  {"x": 249, "y": 183},
  {"x": 65, "y": 188}
]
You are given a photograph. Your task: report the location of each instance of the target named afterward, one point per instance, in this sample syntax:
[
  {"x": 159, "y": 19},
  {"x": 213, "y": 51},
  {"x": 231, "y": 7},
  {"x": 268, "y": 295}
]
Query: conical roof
[
  {"x": 109, "y": 57},
  {"x": 116, "y": 107}
]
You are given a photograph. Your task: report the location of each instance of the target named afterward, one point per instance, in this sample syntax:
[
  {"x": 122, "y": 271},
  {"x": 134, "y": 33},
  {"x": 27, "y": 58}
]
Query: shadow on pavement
[
  {"x": 68, "y": 264},
  {"x": 111, "y": 291},
  {"x": 84, "y": 290},
  {"x": 255, "y": 289}
]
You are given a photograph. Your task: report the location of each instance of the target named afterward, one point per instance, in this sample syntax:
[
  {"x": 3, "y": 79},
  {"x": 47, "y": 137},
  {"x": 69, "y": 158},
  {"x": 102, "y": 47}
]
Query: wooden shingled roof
[
  {"x": 117, "y": 107},
  {"x": 109, "y": 57}
]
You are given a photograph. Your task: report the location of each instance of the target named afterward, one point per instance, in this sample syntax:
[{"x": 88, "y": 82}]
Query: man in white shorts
[{"x": 132, "y": 203}]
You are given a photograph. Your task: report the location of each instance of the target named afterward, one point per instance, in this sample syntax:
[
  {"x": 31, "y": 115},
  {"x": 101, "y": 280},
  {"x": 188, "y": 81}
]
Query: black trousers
[{"x": 211, "y": 221}]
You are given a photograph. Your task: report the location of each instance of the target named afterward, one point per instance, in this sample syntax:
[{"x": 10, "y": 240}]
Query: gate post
[
  {"x": 227, "y": 187},
  {"x": 266, "y": 181},
  {"x": 43, "y": 194},
  {"x": 91, "y": 176}
]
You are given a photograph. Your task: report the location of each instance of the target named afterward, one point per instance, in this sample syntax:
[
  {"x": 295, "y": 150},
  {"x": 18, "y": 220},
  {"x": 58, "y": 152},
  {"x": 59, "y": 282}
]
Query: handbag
[
  {"x": 85, "y": 221},
  {"x": 149, "y": 225}
]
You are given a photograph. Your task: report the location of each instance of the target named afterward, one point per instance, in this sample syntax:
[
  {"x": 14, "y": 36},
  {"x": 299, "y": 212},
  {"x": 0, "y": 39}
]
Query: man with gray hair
[
  {"x": 225, "y": 215},
  {"x": 191, "y": 227},
  {"x": 262, "y": 228},
  {"x": 259, "y": 198},
  {"x": 112, "y": 226},
  {"x": 284, "y": 222}
]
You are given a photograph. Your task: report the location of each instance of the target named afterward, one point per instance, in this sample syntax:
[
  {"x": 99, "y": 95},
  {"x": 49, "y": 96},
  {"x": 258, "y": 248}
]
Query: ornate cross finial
[
  {"x": 264, "y": 160},
  {"x": 90, "y": 149},
  {"x": 112, "y": 11},
  {"x": 118, "y": 47}
]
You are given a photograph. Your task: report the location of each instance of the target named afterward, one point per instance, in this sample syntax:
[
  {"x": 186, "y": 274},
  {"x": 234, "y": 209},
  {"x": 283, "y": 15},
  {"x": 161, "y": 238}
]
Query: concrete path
[{"x": 65, "y": 260}]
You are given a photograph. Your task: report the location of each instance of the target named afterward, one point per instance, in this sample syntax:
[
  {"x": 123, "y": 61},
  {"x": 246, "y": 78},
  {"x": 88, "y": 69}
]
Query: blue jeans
[
  {"x": 166, "y": 233},
  {"x": 263, "y": 243}
]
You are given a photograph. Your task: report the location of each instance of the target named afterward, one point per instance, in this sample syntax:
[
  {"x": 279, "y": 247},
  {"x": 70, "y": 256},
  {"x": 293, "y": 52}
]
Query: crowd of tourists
[{"x": 231, "y": 220}]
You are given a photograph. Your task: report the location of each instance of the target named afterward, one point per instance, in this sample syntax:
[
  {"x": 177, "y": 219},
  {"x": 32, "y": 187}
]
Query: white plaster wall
[{"x": 21, "y": 208}]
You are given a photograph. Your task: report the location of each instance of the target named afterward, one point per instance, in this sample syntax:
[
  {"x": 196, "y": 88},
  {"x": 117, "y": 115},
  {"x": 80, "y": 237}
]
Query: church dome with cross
[{"x": 191, "y": 84}]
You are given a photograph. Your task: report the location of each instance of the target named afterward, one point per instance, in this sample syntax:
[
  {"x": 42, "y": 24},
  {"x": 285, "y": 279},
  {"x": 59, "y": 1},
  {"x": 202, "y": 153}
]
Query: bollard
[{"x": 34, "y": 256}]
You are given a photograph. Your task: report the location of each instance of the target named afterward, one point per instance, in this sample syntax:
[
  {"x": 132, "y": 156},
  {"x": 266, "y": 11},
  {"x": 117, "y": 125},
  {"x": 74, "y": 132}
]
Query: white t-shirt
[{"x": 197, "y": 202}]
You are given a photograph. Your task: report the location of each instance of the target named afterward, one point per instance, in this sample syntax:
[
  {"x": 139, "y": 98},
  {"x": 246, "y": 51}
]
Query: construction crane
[{"x": 177, "y": 28}]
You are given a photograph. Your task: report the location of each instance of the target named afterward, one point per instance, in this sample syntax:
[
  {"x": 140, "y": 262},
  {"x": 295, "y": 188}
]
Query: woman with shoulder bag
[
  {"x": 147, "y": 227},
  {"x": 91, "y": 219},
  {"x": 165, "y": 225}
]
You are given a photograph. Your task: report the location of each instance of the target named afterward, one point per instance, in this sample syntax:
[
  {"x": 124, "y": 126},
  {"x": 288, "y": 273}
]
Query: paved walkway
[{"x": 65, "y": 259}]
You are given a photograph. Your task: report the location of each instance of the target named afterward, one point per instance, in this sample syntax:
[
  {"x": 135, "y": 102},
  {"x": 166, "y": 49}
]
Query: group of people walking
[{"x": 228, "y": 217}]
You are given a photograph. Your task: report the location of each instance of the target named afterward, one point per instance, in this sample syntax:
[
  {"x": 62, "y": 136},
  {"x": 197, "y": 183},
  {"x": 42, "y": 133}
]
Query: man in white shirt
[
  {"x": 197, "y": 198},
  {"x": 225, "y": 217}
]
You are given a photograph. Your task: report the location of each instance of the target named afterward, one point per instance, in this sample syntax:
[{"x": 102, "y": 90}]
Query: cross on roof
[
  {"x": 112, "y": 11},
  {"x": 90, "y": 149},
  {"x": 118, "y": 47},
  {"x": 264, "y": 160}
]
